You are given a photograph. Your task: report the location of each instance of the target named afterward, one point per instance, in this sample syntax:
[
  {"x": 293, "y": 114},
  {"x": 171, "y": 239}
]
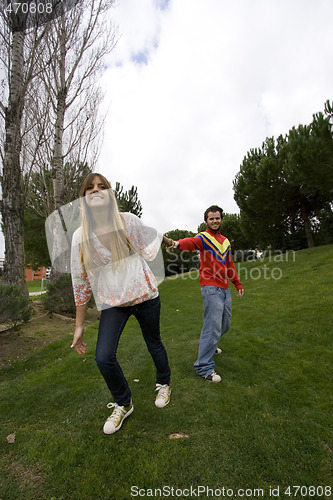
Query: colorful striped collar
[{"x": 219, "y": 250}]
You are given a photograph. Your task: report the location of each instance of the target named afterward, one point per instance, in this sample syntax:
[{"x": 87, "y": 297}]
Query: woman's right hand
[{"x": 78, "y": 343}]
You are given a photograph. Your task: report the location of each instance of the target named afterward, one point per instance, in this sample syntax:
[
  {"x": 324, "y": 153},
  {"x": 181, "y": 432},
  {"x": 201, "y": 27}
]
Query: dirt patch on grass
[
  {"x": 41, "y": 330},
  {"x": 23, "y": 479},
  {"x": 25, "y": 475}
]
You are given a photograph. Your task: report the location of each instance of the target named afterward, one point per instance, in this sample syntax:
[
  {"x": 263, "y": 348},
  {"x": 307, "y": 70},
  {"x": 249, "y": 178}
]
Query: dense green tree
[
  {"x": 35, "y": 245},
  {"x": 283, "y": 187},
  {"x": 202, "y": 227},
  {"x": 128, "y": 201},
  {"x": 308, "y": 169},
  {"x": 232, "y": 229},
  {"x": 259, "y": 188}
]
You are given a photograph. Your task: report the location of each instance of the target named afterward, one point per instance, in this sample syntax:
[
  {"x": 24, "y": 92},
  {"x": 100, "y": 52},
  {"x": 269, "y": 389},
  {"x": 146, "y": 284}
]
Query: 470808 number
[
  {"x": 309, "y": 491},
  {"x": 30, "y": 8}
]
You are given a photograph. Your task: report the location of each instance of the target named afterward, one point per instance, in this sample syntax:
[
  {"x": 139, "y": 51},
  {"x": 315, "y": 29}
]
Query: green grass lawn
[
  {"x": 268, "y": 425},
  {"x": 36, "y": 285}
]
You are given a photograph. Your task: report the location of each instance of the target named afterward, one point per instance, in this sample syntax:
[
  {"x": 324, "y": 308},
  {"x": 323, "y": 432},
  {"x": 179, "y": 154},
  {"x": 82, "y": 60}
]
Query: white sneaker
[
  {"x": 218, "y": 351},
  {"x": 213, "y": 377},
  {"x": 163, "y": 395},
  {"x": 115, "y": 421}
]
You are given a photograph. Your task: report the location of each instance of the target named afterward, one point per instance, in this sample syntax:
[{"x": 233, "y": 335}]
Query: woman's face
[{"x": 97, "y": 194}]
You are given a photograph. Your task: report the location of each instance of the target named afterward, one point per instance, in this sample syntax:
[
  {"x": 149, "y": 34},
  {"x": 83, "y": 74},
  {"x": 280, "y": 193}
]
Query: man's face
[{"x": 214, "y": 221}]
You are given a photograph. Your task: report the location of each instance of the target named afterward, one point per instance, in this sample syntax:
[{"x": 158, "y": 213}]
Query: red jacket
[{"x": 216, "y": 265}]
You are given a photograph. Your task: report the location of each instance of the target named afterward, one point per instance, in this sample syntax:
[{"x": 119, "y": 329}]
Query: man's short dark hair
[{"x": 213, "y": 208}]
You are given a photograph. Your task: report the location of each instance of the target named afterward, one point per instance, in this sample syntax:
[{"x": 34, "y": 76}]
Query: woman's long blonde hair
[{"x": 119, "y": 243}]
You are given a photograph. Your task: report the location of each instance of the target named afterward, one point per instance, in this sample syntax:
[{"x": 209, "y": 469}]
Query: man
[{"x": 216, "y": 270}]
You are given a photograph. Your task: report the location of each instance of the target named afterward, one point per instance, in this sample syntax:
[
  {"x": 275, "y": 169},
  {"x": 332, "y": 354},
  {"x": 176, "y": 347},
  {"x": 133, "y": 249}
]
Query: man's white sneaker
[
  {"x": 213, "y": 377},
  {"x": 115, "y": 421},
  {"x": 163, "y": 395}
]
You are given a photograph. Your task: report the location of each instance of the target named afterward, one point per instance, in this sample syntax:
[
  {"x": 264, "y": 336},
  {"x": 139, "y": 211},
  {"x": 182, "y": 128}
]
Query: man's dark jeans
[{"x": 111, "y": 326}]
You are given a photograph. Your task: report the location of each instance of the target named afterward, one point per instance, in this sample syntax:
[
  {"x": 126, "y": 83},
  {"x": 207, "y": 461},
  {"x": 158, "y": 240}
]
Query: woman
[{"x": 109, "y": 259}]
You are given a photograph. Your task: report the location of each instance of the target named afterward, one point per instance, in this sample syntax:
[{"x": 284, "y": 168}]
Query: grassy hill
[{"x": 266, "y": 427}]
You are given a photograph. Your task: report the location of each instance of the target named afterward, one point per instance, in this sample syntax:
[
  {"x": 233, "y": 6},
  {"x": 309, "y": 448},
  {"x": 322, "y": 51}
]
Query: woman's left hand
[{"x": 78, "y": 343}]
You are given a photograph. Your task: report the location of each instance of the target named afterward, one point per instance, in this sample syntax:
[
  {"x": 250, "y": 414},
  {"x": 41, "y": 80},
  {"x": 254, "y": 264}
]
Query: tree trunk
[
  {"x": 12, "y": 206},
  {"x": 57, "y": 160},
  {"x": 307, "y": 225},
  {"x": 58, "y": 169}
]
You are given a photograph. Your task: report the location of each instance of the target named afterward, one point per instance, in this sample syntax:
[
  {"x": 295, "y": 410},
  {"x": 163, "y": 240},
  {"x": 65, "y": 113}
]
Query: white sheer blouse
[{"x": 133, "y": 281}]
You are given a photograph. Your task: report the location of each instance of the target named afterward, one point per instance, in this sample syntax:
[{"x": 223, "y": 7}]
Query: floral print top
[{"x": 133, "y": 282}]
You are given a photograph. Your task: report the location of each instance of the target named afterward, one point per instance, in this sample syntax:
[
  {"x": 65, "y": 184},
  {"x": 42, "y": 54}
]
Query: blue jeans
[
  {"x": 216, "y": 322},
  {"x": 111, "y": 326}
]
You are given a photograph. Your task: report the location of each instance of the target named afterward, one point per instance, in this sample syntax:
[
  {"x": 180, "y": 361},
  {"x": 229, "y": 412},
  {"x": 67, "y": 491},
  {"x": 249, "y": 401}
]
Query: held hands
[
  {"x": 78, "y": 343},
  {"x": 169, "y": 243},
  {"x": 174, "y": 244}
]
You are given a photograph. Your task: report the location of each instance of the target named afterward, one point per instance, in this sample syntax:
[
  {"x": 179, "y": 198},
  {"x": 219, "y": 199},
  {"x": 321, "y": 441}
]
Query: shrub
[
  {"x": 59, "y": 297},
  {"x": 14, "y": 304}
]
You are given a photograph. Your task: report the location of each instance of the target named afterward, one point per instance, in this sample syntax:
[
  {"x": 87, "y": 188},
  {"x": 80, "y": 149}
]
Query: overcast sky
[{"x": 192, "y": 85}]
